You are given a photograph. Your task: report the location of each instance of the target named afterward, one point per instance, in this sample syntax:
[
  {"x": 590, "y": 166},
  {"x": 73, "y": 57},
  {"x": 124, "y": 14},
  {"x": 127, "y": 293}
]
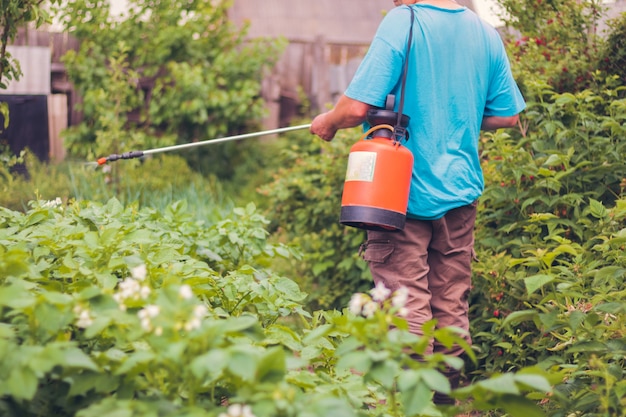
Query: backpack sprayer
[{"x": 378, "y": 177}]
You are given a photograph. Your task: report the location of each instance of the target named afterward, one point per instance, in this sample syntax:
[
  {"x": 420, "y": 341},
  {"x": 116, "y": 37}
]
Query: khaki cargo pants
[{"x": 433, "y": 260}]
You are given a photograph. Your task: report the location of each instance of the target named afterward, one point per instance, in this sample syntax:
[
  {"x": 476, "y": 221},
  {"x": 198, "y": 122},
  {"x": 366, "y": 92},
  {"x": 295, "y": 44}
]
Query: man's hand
[
  {"x": 322, "y": 128},
  {"x": 347, "y": 113}
]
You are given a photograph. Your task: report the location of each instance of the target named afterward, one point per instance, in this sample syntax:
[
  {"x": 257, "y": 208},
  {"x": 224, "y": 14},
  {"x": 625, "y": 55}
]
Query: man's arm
[
  {"x": 347, "y": 113},
  {"x": 497, "y": 122}
]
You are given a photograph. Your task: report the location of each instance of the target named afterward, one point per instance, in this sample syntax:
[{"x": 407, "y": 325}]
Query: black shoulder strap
[{"x": 399, "y": 130}]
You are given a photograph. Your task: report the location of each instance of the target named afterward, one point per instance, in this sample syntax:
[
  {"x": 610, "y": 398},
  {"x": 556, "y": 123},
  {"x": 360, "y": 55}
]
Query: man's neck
[{"x": 446, "y": 4}]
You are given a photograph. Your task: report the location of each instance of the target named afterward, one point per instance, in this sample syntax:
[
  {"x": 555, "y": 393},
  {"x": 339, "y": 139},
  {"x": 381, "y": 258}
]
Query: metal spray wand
[{"x": 139, "y": 154}]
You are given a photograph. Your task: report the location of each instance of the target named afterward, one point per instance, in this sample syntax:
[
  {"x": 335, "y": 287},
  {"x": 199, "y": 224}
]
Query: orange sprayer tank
[{"x": 376, "y": 188}]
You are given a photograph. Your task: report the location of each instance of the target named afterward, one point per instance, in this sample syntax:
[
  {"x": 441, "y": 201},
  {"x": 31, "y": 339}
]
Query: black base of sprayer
[{"x": 372, "y": 218}]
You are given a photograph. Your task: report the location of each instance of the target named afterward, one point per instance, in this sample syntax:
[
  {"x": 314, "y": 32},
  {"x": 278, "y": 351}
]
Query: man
[{"x": 458, "y": 82}]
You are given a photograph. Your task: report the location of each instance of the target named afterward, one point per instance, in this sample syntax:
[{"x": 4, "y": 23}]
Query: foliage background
[{"x": 548, "y": 287}]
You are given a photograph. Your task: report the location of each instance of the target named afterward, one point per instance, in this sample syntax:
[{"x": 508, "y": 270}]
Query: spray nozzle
[{"x": 116, "y": 157}]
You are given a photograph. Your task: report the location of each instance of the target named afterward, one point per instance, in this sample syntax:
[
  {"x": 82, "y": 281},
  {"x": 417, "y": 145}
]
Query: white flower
[
  {"x": 369, "y": 309},
  {"x": 52, "y": 203},
  {"x": 128, "y": 288},
  {"x": 139, "y": 272},
  {"x": 84, "y": 317},
  {"x": 238, "y": 410},
  {"x": 131, "y": 289},
  {"x": 380, "y": 292},
  {"x": 246, "y": 411},
  {"x": 195, "y": 321},
  {"x": 150, "y": 311},
  {"x": 144, "y": 292},
  {"x": 185, "y": 292},
  {"x": 146, "y": 315},
  {"x": 356, "y": 303},
  {"x": 199, "y": 311},
  {"x": 403, "y": 312},
  {"x": 158, "y": 331},
  {"x": 400, "y": 297},
  {"x": 192, "y": 324},
  {"x": 146, "y": 324}
]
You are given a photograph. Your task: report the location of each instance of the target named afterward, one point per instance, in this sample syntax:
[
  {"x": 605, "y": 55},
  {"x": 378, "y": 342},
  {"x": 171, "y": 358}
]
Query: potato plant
[{"x": 114, "y": 310}]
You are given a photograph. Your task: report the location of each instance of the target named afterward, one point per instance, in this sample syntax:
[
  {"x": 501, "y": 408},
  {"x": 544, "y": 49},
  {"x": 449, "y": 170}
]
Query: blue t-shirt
[{"x": 458, "y": 73}]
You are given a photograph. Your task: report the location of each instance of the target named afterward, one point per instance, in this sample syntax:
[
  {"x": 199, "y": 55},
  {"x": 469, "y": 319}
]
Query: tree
[
  {"x": 613, "y": 56},
  {"x": 13, "y": 15},
  {"x": 179, "y": 69},
  {"x": 554, "y": 41}
]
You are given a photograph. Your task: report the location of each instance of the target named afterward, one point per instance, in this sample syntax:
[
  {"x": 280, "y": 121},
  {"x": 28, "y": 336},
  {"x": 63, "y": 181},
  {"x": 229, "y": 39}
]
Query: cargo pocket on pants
[{"x": 377, "y": 251}]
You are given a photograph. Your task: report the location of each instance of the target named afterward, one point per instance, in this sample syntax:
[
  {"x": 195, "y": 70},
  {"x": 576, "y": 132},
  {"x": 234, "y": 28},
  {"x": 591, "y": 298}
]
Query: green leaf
[
  {"x": 534, "y": 382},
  {"x": 99, "y": 324},
  {"x": 358, "y": 360},
  {"x": 272, "y": 366},
  {"x": 56, "y": 297},
  {"x": 285, "y": 336},
  {"x": 416, "y": 399},
  {"x": 565, "y": 98},
  {"x": 553, "y": 160},
  {"x": 241, "y": 323},
  {"x": 613, "y": 308},
  {"x": 588, "y": 347},
  {"x": 576, "y": 318},
  {"x": 18, "y": 296},
  {"x": 22, "y": 383},
  {"x": 436, "y": 380},
  {"x": 35, "y": 217},
  {"x": 135, "y": 362},
  {"x": 329, "y": 407},
  {"x": 6, "y": 331},
  {"x": 243, "y": 362},
  {"x": 518, "y": 406},
  {"x": 408, "y": 379},
  {"x": 211, "y": 364},
  {"x": 317, "y": 333},
  {"x": 164, "y": 256},
  {"x": 597, "y": 209},
  {"x": 517, "y": 317},
  {"x": 289, "y": 287},
  {"x": 385, "y": 373},
  {"x": 503, "y": 384},
  {"x": 76, "y": 358},
  {"x": 81, "y": 383},
  {"x": 608, "y": 274},
  {"x": 535, "y": 282}
]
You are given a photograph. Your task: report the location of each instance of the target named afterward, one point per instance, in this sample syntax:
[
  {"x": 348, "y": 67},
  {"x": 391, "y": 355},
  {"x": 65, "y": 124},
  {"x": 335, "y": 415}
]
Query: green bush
[
  {"x": 568, "y": 150},
  {"x": 165, "y": 72},
  {"x": 554, "y": 42},
  {"x": 148, "y": 182},
  {"x": 612, "y": 59},
  {"x": 36, "y": 180},
  {"x": 305, "y": 203},
  {"x": 549, "y": 287},
  {"x": 113, "y": 310}
]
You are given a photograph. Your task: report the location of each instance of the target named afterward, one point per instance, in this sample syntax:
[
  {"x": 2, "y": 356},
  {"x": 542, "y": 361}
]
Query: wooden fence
[
  {"x": 39, "y": 54},
  {"x": 315, "y": 73}
]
